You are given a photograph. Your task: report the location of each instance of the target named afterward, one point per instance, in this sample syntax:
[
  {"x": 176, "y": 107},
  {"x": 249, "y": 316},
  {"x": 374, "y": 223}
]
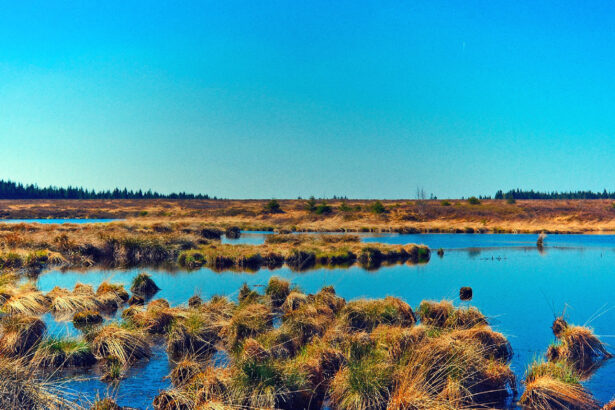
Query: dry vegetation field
[{"x": 565, "y": 216}]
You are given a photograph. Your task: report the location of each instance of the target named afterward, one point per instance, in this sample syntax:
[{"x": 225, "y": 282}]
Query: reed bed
[
  {"x": 27, "y": 247},
  {"x": 366, "y": 354},
  {"x": 284, "y": 348}
]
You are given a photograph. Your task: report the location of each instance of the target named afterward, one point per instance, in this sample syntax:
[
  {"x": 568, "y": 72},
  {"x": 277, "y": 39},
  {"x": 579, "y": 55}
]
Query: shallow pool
[{"x": 57, "y": 221}]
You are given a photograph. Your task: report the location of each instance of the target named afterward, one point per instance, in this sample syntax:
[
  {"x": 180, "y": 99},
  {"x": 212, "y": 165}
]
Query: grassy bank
[{"x": 33, "y": 247}]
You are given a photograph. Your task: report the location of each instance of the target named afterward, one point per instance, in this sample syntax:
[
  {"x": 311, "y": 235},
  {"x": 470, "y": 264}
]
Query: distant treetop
[
  {"x": 531, "y": 194},
  {"x": 14, "y": 190}
]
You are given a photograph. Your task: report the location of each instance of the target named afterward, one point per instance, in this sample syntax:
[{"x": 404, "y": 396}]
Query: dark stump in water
[{"x": 465, "y": 293}]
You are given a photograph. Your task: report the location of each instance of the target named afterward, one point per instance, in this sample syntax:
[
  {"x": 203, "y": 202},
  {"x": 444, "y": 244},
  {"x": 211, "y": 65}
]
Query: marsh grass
[
  {"x": 578, "y": 346},
  {"x": 444, "y": 315},
  {"x": 193, "y": 335},
  {"x": 277, "y": 290},
  {"x": 86, "y": 319},
  {"x": 555, "y": 385},
  {"x": 128, "y": 346},
  {"x": 365, "y": 315},
  {"x": 63, "y": 352},
  {"x": 22, "y": 388},
  {"x": 361, "y": 354},
  {"x": 144, "y": 286},
  {"x": 26, "y": 300},
  {"x": 21, "y": 334}
]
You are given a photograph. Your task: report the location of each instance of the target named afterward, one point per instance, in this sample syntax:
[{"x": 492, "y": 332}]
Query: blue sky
[{"x": 247, "y": 99}]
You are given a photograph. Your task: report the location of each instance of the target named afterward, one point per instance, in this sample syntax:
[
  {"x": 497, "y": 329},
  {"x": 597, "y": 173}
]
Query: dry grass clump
[
  {"x": 136, "y": 300},
  {"x": 184, "y": 370},
  {"x": 444, "y": 315},
  {"x": 112, "y": 288},
  {"x": 26, "y": 300},
  {"x": 294, "y": 301},
  {"x": 195, "y": 301},
  {"x": 494, "y": 344},
  {"x": 248, "y": 321},
  {"x": 57, "y": 353},
  {"x": 144, "y": 286},
  {"x": 307, "y": 322},
  {"x": 126, "y": 345},
  {"x": 83, "y": 289},
  {"x": 20, "y": 334},
  {"x": 87, "y": 318},
  {"x": 173, "y": 399},
  {"x": 247, "y": 296},
  {"x": 21, "y": 388},
  {"x": 105, "y": 404},
  {"x": 365, "y": 315},
  {"x": 277, "y": 290},
  {"x": 555, "y": 385},
  {"x": 578, "y": 346},
  {"x": 258, "y": 381},
  {"x": 156, "y": 319},
  {"x": 459, "y": 372},
  {"x": 66, "y": 304},
  {"x": 193, "y": 335}
]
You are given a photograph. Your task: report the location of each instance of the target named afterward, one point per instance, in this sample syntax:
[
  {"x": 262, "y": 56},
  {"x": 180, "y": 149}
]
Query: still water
[
  {"x": 56, "y": 221},
  {"x": 520, "y": 289}
]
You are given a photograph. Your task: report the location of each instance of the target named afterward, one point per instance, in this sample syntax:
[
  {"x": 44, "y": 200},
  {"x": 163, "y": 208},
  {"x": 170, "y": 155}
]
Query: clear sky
[{"x": 260, "y": 99}]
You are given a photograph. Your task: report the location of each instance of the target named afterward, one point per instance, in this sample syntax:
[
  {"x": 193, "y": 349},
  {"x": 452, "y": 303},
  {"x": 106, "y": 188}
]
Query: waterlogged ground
[{"x": 518, "y": 288}]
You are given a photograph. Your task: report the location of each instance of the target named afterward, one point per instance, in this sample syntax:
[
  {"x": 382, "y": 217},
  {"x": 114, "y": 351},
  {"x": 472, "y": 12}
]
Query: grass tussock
[
  {"x": 86, "y": 319},
  {"x": 365, "y": 315},
  {"x": 22, "y": 388},
  {"x": 55, "y": 353},
  {"x": 26, "y": 300},
  {"x": 195, "y": 335},
  {"x": 444, "y": 315},
  {"x": 128, "y": 346},
  {"x": 21, "y": 334},
  {"x": 144, "y": 286},
  {"x": 555, "y": 385},
  {"x": 578, "y": 346}
]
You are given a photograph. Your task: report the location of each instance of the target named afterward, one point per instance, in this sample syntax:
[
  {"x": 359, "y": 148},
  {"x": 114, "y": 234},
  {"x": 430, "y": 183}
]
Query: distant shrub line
[
  {"x": 531, "y": 194},
  {"x": 14, "y": 190}
]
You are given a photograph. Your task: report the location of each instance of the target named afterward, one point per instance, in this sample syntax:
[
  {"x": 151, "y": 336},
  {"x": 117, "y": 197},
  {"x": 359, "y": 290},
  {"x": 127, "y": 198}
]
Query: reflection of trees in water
[{"x": 473, "y": 252}]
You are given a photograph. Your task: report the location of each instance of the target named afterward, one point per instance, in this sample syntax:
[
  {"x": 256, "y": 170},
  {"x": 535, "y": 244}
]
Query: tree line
[
  {"x": 14, "y": 190},
  {"x": 531, "y": 194}
]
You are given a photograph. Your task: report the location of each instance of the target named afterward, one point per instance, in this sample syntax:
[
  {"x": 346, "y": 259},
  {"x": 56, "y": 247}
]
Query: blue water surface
[{"x": 57, "y": 221}]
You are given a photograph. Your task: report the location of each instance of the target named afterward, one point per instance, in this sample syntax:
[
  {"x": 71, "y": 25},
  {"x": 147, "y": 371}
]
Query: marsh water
[
  {"x": 520, "y": 289},
  {"x": 56, "y": 221}
]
